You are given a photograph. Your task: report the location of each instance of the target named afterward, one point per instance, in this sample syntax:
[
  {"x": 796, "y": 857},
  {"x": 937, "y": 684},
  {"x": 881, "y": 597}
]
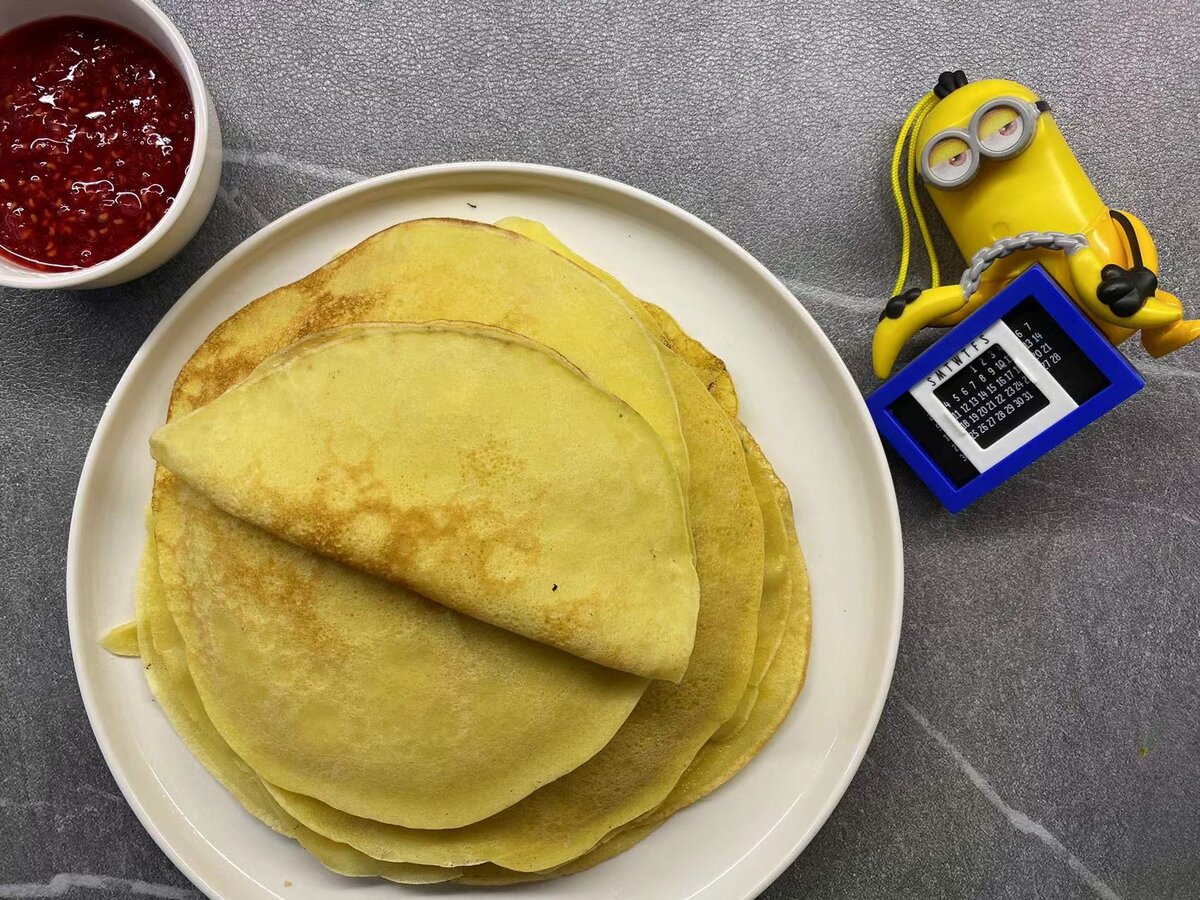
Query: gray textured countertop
[{"x": 1042, "y": 738}]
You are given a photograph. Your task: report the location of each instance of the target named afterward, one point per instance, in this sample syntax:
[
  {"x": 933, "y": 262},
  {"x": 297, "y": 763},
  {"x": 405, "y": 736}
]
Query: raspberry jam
[{"x": 96, "y": 132}]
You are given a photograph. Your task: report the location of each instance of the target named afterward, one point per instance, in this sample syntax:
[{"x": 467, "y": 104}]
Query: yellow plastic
[{"x": 1042, "y": 188}]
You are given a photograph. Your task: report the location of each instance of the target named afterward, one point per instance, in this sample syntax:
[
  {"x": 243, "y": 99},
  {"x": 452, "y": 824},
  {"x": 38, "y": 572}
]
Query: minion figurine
[{"x": 1012, "y": 193}]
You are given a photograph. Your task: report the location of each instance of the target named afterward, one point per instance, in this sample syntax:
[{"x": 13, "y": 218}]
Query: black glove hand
[
  {"x": 1125, "y": 291},
  {"x": 896, "y": 306}
]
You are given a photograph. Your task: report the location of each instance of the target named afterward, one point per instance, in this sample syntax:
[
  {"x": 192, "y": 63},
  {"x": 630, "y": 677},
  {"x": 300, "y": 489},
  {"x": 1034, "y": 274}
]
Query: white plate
[{"x": 798, "y": 400}]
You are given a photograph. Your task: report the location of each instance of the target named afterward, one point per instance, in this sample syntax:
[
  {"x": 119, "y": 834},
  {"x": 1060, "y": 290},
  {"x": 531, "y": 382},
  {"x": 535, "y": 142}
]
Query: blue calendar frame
[{"x": 1124, "y": 382}]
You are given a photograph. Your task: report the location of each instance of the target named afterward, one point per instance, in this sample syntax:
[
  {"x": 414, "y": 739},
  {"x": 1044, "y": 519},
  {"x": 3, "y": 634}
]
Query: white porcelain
[
  {"x": 798, "y": 400},
  {"x": 199, "y": 189}
]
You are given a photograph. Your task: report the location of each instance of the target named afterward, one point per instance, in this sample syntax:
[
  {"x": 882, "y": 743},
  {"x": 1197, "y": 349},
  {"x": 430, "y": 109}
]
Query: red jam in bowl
[{"x": 96, "y": 132}]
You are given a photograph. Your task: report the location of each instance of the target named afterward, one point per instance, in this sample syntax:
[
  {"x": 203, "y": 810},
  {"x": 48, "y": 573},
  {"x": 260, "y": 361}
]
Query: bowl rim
[{"x": 38, "y": 280}]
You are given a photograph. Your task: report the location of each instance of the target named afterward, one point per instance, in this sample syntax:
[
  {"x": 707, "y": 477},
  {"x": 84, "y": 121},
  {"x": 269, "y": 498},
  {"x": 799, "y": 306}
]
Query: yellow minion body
[
  {"x": 1042, "y": 188},
  {"x": 990, "y": 181}
]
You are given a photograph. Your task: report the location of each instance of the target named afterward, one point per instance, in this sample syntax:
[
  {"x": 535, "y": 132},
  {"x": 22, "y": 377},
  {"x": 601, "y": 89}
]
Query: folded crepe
[
  {"x": 470, "y": 465},
  {"x": 645, "y": 759}
]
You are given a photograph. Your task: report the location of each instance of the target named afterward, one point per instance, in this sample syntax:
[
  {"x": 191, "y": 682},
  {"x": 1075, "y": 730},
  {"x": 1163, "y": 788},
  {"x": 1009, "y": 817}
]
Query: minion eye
[
  {"x": 951, "y": 161},
  {"x": 1001, "y": 130}
]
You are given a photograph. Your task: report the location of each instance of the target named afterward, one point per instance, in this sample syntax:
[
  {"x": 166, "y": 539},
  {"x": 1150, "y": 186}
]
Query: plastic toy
[
  {"x": 1012, "y": 193},
  {"x": 1012, "y": 381}
]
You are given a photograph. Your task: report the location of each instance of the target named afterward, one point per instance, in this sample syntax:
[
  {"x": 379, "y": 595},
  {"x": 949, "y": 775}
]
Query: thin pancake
[
  {"x": 164, "y": 661},
  {"x": 785, "y": 621},
  {"x": 711, "y": 369},
  {"x": 430, "y": 269},
  {"x": 771, "y": 493},
  {"x": 708, "y": 365},
  {"x": 650, "y": 752},
  {"x": 718, "y": 761},
  {"x": 377, "y": 700},
  {"x": 122, "y": 640},
  {"x": 471, "y": 465},
  {"x": 777, "y": 578}
]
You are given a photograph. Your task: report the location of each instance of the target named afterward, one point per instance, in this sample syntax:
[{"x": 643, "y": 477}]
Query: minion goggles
[{"x": 971, "y": 144}]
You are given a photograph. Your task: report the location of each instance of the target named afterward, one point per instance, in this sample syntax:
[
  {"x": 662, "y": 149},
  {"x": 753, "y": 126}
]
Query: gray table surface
[{"x": 1042, "y": 738}]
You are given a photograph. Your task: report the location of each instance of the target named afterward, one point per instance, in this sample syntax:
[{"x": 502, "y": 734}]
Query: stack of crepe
[{"x": 461, "y": 566}]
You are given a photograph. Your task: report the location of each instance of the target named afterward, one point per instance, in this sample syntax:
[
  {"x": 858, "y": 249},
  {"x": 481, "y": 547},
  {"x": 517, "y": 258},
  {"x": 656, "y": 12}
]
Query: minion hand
[
  {"x": 1119, "y": 296},
  {"x": 906, "y": 314},
  {"x": 1125, "y": 291},
  {"x": 895, "y": 307}
]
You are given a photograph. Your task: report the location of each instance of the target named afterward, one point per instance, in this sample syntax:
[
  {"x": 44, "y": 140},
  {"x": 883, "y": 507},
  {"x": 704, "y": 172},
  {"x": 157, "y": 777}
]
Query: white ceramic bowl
[{"x": 199, "y": 188}]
